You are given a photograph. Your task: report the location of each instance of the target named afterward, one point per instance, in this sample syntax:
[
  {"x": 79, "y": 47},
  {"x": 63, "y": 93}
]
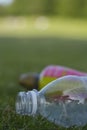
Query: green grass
[
  {"x": 53, "y": 26},
  {"x": 20, "y": 55}
]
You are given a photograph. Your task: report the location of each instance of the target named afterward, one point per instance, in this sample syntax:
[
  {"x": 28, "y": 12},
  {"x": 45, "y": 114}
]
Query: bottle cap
[{"x": 26, "y": 103}]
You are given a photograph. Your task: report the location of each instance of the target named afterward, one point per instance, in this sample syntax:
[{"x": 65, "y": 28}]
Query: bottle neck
[{"x": 26, "y": 103}]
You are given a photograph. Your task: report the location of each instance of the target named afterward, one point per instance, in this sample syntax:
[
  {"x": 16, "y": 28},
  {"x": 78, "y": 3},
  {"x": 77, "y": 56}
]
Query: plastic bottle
[
  {"x": 62, "y": 101},
  {"x": 52, "y": 72}
]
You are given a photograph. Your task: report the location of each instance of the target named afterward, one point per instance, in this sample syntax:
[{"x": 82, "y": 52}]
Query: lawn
[
  {"x": 43, "y": 26},
  {"x": 27, "y": 44},
  {"x": 19, "y": 55}
]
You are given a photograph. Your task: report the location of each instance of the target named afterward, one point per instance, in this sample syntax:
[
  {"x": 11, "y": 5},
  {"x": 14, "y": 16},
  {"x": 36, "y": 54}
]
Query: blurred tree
[
  {"x": 49, "y": 6},
  {"x": 71, "y": 8},
  {"x": 76, "y": 9},
  {"x": 85, "y": 8},
  {"x": 64, "y": 7}
]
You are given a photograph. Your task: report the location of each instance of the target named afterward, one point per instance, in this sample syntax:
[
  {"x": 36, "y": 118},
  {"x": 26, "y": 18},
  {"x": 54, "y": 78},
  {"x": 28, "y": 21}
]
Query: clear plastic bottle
[{"x": 63, "y": 101}]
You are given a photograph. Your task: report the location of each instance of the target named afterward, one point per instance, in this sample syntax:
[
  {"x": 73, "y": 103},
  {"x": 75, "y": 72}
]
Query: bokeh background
[{"x": 34, "y": 34}]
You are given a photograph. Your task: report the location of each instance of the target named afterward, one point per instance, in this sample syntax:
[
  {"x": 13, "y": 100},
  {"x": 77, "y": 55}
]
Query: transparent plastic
[{"x": 63, "y": 101}]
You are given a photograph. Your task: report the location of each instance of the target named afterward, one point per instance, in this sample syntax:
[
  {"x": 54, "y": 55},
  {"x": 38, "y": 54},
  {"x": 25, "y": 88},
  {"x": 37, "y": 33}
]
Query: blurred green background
[
  {"x": 71, "y": 8},
  {"x": 34, "y": 34}
]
